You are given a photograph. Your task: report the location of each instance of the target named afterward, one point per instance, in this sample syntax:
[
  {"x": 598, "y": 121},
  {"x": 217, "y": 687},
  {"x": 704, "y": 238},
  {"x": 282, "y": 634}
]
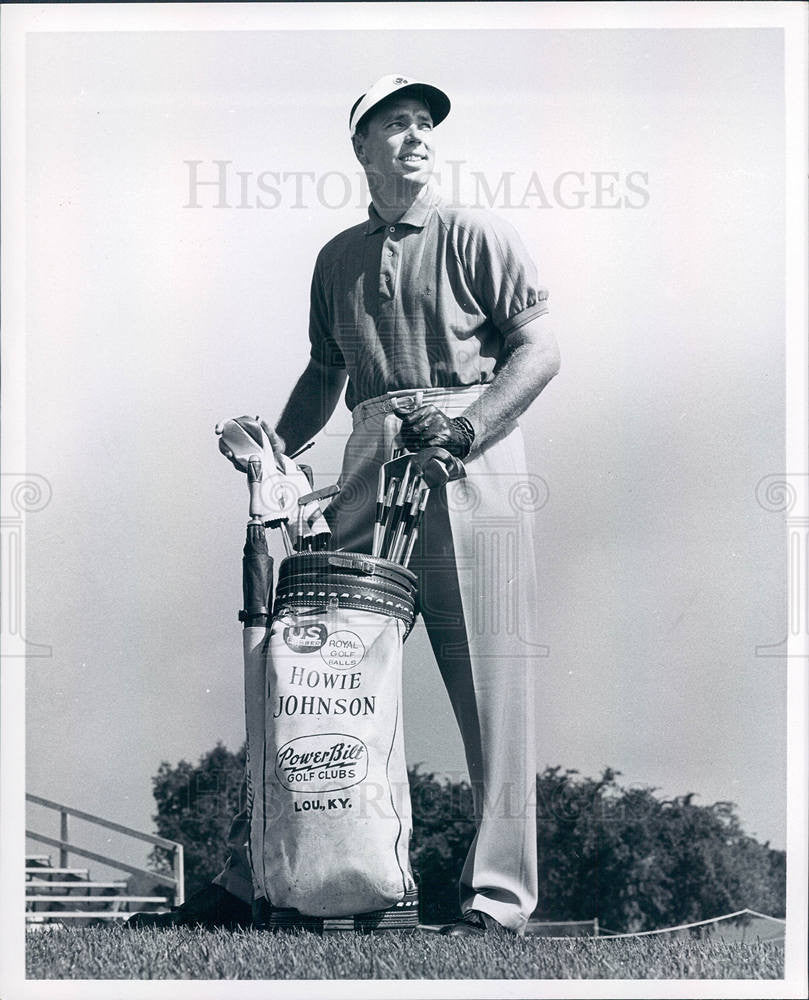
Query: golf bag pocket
[{"x": 330, "y": 834}]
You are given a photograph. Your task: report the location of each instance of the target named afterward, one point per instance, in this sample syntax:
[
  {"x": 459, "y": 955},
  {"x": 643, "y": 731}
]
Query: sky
[{"x": 643, "y": 170}]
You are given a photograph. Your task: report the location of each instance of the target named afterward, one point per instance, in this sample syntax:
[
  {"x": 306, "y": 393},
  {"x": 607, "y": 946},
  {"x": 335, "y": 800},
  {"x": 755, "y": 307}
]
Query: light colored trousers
[{"x": 477, "y": 589}]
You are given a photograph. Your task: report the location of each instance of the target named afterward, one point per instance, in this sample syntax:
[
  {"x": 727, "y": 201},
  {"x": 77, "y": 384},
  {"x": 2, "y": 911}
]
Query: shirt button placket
[{"x": 387, "y": 273}]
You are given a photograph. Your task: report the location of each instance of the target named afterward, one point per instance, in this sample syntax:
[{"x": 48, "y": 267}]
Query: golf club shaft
[
  {"x": 386, "y": 510},
  {"x": 398, "y": 510},
  {"x": 414, "y": 531},
  {"x": 306, "y": 500},
  {"x": 286, "y": 539},
  {"x": 406, "y": 526},
  {"x": 281, "y": 522},
  {"x": 405, "y": 520},
  {"x": 380, "y": 509},
  {"x": 300, "y": 451}
]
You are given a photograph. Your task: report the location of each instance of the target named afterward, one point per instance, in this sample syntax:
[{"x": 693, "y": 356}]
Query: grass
[{"x": 182, "y": 953}]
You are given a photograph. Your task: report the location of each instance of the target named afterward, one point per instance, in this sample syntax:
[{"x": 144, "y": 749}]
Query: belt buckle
[{"x": 406, "y": 401}]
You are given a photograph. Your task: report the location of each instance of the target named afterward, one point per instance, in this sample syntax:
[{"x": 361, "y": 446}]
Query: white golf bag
[{"x": 330, "y": 806}]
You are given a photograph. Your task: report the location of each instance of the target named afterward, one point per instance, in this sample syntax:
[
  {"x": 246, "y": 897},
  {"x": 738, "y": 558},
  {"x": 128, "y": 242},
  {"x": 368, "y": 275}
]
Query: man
[{"x": 434, "y": 314}]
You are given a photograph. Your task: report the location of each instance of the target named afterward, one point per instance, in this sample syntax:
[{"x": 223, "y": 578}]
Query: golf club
[
  {"x": 386, "y": 509},
  {"x": 283, "y": 524},
  {"x": 414, "y": 531},
  {"x": 404, "y": 520},
  {"x": 406, "y": 527},
  {"x": 396, "y": 515}
]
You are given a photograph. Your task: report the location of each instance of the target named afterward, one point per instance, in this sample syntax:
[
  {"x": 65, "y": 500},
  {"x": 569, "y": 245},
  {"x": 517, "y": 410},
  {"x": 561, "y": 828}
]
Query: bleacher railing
[{"x": 176, "y": 881}]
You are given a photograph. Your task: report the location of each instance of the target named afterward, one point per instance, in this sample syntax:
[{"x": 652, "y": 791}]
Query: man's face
[{"x": 397, "y": 146}]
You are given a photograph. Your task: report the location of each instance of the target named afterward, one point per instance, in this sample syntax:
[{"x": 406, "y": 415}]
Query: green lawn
[{"x": 116, "y": 953}]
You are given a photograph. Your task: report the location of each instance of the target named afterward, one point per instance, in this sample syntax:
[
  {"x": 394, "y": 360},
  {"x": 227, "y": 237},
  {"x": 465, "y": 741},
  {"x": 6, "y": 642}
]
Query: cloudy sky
[{"x": 644, "y": 170}]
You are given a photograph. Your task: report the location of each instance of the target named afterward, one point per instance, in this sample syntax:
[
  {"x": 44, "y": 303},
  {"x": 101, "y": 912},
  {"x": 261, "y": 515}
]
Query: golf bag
[{"x": 327, "y": 781}]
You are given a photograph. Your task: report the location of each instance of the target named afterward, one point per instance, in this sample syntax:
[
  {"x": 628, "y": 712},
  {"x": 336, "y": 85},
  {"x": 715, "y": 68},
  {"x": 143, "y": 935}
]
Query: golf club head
[
  {"x": 438, "y": 467},
  {"x": 396, "y": 467}
]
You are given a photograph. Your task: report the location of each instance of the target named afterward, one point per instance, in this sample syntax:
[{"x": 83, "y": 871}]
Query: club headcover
[
  {"x": 243, "y": 437},
  {"x": 275, "y": 481}
]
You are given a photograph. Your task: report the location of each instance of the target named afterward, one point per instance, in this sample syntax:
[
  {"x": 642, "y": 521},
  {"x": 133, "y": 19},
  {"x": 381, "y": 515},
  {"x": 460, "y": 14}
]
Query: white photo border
[{"x": 17, "y": 22}]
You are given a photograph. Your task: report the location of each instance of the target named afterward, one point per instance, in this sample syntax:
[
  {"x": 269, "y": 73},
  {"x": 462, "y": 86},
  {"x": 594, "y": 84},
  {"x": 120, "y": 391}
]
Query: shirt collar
[{"x": 416, "y": 216}]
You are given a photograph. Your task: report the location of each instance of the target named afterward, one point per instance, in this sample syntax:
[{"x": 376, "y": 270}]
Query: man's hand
[{"x": 427, "y": 427}]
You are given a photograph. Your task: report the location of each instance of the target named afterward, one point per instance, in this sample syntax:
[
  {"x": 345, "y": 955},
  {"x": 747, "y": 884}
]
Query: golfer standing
[{"x": 435, "y": 315}]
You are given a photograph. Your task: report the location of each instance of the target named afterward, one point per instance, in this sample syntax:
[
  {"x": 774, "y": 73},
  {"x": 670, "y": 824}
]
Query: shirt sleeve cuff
[{"x": 521, "y": 318}]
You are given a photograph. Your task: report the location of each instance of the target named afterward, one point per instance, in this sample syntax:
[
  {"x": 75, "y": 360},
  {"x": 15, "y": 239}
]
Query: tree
[
  {"x": 625, "y": 855},
  {"x": 638, "y": 862},
  {"x": 195, "y": 804}
]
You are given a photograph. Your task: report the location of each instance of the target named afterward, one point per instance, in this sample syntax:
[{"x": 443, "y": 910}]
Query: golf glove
[{"x": 428, "y": 427}]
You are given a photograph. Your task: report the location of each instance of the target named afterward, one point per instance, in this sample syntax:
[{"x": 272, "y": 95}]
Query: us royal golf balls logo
[
  {"x": 305, "y": 638},
  {"x": 342, "y": 650},
  {"x": 322, "y": 762}
]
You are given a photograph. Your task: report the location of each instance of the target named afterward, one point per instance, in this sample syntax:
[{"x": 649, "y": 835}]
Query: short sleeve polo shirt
[{"x": 427, "y": 301}]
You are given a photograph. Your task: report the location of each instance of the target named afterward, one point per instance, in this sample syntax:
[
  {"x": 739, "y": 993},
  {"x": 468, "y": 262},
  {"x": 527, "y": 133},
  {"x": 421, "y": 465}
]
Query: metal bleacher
[{"x": 62, "y": 892}]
